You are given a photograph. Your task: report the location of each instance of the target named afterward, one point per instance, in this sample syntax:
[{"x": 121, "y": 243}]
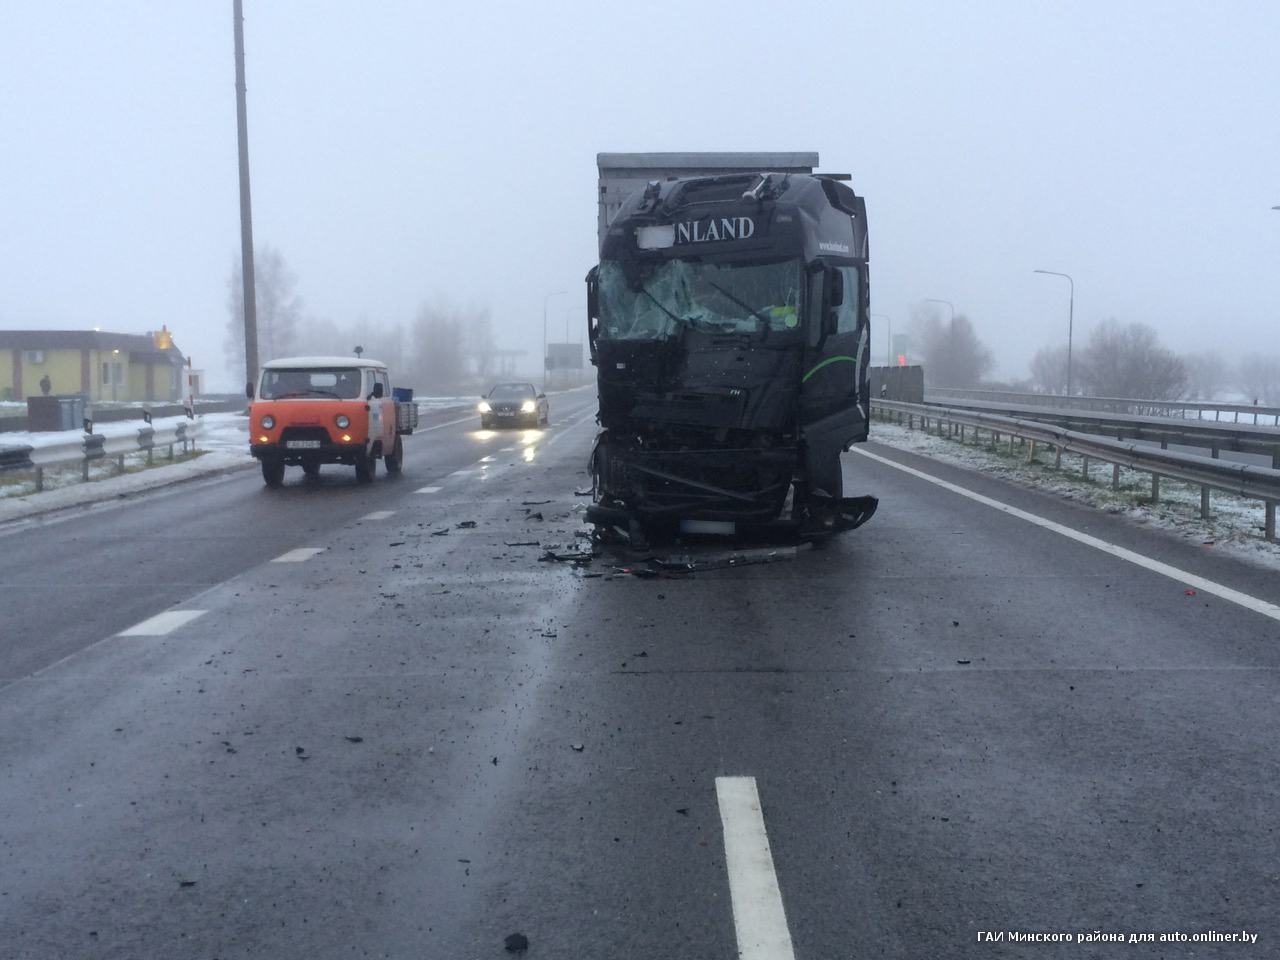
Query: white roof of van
[{"x": 306, "y": 363}]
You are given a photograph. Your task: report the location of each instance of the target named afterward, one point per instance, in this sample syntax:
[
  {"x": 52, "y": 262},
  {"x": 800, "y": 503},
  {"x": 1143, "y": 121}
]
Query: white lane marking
[
  {"x": 378, "y": 515},
  {"x": 486, "y": 459},
  {"x": 429, "y": 490},
  {"x": 161, "y": 623},
  {"x": 297, "y": 556},
  {"x": 461, "y": 473},
  {"x": 758, "y": 917},
  {"x": 1210, "y": 587}
]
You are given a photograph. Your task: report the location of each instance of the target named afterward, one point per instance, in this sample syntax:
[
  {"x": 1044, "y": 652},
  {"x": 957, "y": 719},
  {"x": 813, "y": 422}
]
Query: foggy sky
[{"x": 405, "y": 152}]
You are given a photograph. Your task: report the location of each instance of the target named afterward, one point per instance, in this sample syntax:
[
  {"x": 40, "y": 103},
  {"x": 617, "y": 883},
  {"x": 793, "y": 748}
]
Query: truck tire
[
  {"x": 273, "y": 472},
  {"x": 395, "y": 459},
  {"x": 366, "y": 467}
]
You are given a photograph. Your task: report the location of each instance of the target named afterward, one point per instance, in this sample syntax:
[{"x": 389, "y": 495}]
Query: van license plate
[{"x": 302, "y": 444}]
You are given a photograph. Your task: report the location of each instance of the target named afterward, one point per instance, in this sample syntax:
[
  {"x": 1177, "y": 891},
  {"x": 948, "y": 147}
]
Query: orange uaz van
[{"x": 308, "y": 411}]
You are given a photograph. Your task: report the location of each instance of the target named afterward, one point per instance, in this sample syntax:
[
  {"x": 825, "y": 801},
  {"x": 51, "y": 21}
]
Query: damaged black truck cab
[{"x": 728, "y": 322}]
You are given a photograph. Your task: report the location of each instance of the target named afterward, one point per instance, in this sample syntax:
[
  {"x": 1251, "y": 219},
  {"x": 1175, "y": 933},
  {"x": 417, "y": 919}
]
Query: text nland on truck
[
  {"x": 729, "y": 325},
  {"x": 310, "y": 411}
]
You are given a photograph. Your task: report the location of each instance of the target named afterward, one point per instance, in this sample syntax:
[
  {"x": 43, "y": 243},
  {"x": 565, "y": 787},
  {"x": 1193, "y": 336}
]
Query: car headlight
[
  {"x": 268, "y": 422},
  {"x": 528, "y": 406},
  {"x": 342, "y": 420},
  {"x": 484, "y": 406}
]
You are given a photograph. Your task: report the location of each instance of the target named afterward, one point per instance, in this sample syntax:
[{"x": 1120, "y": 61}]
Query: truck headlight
[
  {"x": 268, "y": 422},
  {"x": 342, "y": 420},
  {"x": 484, "y": 406},
  {"x": 528, "y": 406}
]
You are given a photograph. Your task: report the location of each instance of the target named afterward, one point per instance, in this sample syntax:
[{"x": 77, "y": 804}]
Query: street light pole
[
  {"x": 553, "y": 293},
  {"x": 949, "y": 306},
  {"x": 1071, "y": 310}
]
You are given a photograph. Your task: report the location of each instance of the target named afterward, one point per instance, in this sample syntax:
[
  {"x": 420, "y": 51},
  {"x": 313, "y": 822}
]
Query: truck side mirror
[
  {"x": 248, "y": 389},
  {"x": 593, "y": 311}
]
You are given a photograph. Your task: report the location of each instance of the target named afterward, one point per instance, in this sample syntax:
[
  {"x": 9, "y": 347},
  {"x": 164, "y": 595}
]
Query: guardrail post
[
  {"x": 1057, "y": 456},
  {"x": 1271, "y": 520},
  {"x": 1084, "y": 467},
  {"x": 1115, "y": 476},
  {"x": 1011, "y": 439},
  {"x": 39, "y": 478},
  {"x": 1155, "y": 488},
  {"x": 1204, "y": 503},
  {"x": 1031, "y": 456},
  {"x": 120, "y": 464}
]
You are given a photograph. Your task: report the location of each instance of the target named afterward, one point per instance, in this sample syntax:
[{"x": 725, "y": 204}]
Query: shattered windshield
[
  {"x": 330, "y": 383},
  {"x": 665, "y": 298}
]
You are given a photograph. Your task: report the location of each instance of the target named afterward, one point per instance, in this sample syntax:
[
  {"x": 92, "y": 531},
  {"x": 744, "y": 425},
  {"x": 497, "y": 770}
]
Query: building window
[
  {"x": 112, "y": 373},
  {"x": 33, "y": 356}
]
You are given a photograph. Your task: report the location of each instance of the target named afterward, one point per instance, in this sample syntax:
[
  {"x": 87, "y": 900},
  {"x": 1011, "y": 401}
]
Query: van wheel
[
  {"x": 366, "y": 467},
  {"x": 395, "y": 459},
  {"x": 273, "y": 472}
]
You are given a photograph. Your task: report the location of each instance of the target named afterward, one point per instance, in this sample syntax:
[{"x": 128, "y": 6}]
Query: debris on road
[{"x": 516, "y": 943}]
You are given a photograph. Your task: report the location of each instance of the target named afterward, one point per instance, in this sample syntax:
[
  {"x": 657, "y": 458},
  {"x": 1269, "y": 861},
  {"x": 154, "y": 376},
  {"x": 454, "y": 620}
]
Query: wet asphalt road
[{"x": 420, "y": 739}]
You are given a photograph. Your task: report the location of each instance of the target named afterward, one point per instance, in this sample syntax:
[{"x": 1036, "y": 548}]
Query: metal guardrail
[
  {"x": 1183, "y": 409},
  {"x": 1242, "y": 479},
  {"x": 1214, "y": 435},
  {"x": 95, "y": 446}
]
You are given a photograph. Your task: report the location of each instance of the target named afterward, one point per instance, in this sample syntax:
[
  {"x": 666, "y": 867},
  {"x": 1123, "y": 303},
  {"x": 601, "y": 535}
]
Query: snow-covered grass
[{"x": 1235, "y": 524}]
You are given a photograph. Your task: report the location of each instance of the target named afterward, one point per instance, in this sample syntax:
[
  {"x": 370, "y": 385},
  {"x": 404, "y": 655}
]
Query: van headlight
[
  {"x": 342, "y": 420},
  {"x": 528, "y": 406},
  {"x": 268, "y": 422}
]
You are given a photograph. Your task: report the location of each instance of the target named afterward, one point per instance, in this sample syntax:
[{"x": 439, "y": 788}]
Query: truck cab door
[{"x": 833, "y": 388}]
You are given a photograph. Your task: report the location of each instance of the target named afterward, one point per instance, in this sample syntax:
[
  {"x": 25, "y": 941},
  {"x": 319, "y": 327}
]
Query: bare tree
[
  {"x": 1049, "y": 370},
  {"x": 1128, "y": 361},
  {"x": 1259, "y": 378},
  {"x": 951, "y": 352},
  {"x": 278, "y": 305},
  {"x": 439, "y": 338},
  {"x": 1207, "y": 375}
]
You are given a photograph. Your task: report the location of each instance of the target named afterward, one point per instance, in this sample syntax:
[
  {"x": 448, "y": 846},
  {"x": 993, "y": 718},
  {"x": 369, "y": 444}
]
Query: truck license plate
[{"x": 302, "y": 444}]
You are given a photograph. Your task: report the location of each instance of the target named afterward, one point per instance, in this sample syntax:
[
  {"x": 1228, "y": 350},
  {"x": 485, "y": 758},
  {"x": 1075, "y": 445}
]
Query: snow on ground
[
  {"x": 223, "y": 445},
  {"x": 1236, "y": 524}
]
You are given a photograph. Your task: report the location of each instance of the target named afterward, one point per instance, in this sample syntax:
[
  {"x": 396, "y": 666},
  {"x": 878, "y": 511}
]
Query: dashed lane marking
[
  {"x": 378, "y": 515},
  {"x": 297, "y": 556},
  {"x": 161, "y": 624},
  {"x": 430, "y": 490},
  {"x": 758, "y": 917}
]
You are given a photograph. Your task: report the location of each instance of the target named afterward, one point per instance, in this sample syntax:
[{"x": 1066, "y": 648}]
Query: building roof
[{"x": 140, "y": 346}]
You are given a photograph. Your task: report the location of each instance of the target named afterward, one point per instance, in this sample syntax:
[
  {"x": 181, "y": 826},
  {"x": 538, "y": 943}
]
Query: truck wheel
[
  {"x": 366, "y": 467},
  {"x": 395, "y": 459},
  {"x": 273, "y": 472}
]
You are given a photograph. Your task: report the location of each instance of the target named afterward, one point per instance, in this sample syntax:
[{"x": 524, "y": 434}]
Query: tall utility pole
[{"x": 246, "y": 208}]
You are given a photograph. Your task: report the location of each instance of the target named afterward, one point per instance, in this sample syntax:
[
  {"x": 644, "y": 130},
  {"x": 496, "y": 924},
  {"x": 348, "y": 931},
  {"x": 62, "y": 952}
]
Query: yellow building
[{"x": 99, "y": 366}]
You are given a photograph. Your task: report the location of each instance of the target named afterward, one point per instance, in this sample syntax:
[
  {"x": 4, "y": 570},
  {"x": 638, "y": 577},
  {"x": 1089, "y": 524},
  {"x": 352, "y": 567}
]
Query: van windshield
[{"x": 320, "y": 382}]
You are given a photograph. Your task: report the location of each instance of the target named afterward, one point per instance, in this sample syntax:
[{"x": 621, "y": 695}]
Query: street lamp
[
  {"x": 949, "y": 306},
  {"x": 553, "y": 293},
  {"x": 1071, "y": 309},
  {"x": 888, "y": 340}
]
